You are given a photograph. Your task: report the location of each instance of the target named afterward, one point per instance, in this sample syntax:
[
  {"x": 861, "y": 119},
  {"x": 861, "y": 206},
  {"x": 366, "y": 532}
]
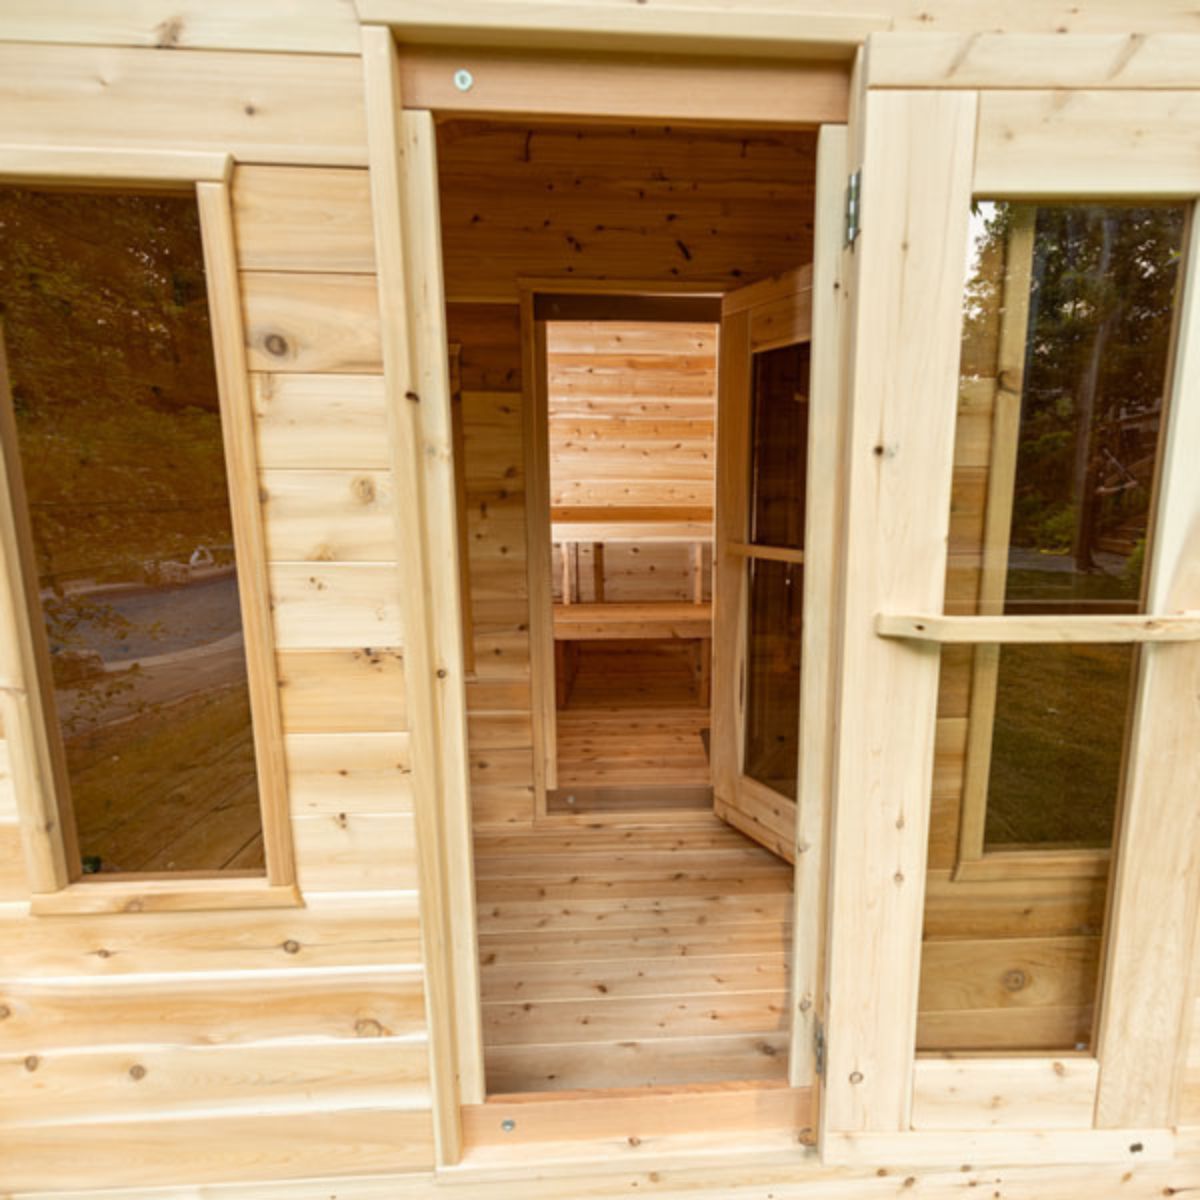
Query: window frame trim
[{"x": 44, "y": 811}]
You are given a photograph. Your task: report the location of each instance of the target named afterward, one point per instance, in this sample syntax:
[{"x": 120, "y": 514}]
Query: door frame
[
  {"x": 538, "y": 540},
  {"x": 403, "y": 160}
]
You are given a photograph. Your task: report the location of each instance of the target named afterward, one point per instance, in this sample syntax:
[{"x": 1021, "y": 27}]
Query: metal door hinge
[
  {"x": 853, "y": 207},
  {"x": 819, "y": 1048}
]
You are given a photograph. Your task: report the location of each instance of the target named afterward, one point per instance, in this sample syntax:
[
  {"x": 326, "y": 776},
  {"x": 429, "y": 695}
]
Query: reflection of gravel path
[
  {"x": 164, "y": 620},
  {"x": 160, "y": 680}
]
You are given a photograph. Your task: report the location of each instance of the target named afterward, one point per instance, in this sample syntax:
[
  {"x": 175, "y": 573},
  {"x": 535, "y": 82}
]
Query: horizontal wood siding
[{"x": 188, "y": 1048}]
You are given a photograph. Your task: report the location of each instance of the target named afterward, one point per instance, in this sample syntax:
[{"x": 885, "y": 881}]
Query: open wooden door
[{"x": 766, "y": 354}]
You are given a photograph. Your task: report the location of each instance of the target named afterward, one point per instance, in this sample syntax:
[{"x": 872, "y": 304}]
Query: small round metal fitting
[
  {"x": 508, "y": 1124},
  {"x": 463, "y": 79}
]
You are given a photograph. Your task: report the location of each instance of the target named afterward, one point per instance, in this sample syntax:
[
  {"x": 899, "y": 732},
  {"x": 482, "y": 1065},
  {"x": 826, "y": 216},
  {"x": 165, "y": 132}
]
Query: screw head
[
  {"x": 463, "y": 79},
  {"x": 508, "y": 1124}
]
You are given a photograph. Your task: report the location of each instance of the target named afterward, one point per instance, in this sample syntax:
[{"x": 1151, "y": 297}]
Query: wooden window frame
[
  {"x": 43, "y": 805},
  {"x": 1120, "y": 1102}
]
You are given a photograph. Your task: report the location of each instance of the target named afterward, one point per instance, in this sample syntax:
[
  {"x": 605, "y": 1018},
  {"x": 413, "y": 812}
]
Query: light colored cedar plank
[
  {"x": 320, "y": 421},
  {"x": 253, "y": 584},
  {"x": 289, "y": 108},
  {"x": 685, "y": 976},
  {"x": 910, "y": 264},
  {"x": 349, "y": 772},
  {"x": 8, "y": 795},
  {"x": 311, "y": 323},
  {"x": 634, "y": 1117},
  {"x": 511, "y": 80},
  {"x": 1149, "y": 981},
  {"x": 210, "y": 1148},
  {"x": 983, "y": 909},
  {"x": 82, "y": 1013},
  {"x": 1046, "y": 1031},
  {"x": 600, "y": 1018},
  {"x": 497, "y": 730},
  {"x": 14, "y": 881},
  {"x": 1053, "y": 143},
  {"x": 135, "y": 1080},
  {"x": 1003, "y": 972},
  {"x": 327, "y": 932},
  {"x": 335, "y": 605},
  {"x": 629, "y": 886},
  {"x": 1012, "y": 60},
  {"x": 327, "y": 515},
  {"x": 501, "y": 768},
  {"x": 1004, "y": 1094},
  {"x": 636, "y": 1063},
  {"x": 303, "y": 219},
  {"x": 609, "y": 914},
  {"x": 274, "y": 25},
  {"x": 349, "y": 851},
  {"x": 343, "y": 691},
  {"x": 653, "y": 338}
]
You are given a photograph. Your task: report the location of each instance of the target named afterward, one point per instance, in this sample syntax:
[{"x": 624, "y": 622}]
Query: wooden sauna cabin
[{"x": 599, "y": 599}]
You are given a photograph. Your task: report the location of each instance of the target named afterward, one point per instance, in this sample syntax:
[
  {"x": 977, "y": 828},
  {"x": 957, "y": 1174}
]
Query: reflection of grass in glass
[
  {"x": 1059, "y": 734},
  {"x": 1052, "y": 584},
  {"x": 137, "y": 784}
]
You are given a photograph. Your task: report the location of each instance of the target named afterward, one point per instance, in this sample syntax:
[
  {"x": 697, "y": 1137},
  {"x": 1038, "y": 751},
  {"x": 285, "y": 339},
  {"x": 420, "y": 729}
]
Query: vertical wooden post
[
  {"x": 1144, "y": 1029},
  {"x": 26, "y": 693},
  {"x": 412, "y": 312},
  {"x": 535, "y": 444},
  {"x": 254, "y": 588},
  {"x": 818, "y": 659},
  {"x": 905, "y": 290}
]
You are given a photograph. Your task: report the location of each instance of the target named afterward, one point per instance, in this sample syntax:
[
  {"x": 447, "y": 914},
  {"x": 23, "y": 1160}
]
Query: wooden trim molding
[
  {"x": 249, "y": 537},
  {"x": 1040, "y": 628},
  {"x": 179, "y": 169}
]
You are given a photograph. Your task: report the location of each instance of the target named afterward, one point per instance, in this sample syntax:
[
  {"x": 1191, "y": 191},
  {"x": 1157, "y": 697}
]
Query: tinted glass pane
[
  {"x": 779, "y": 446},
  {"x": 1068, "y": 321},
  {"x": 773, "y": 675},
  {"x": 1056, "y": 766},
  {"x": 106, "y": 324}
]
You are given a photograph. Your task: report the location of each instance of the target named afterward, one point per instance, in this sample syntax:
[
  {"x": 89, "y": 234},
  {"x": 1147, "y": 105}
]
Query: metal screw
[
  {"x": 463, "y": 79},
  {"x": 570, "y": 799},
  {"x": 508, "y": 1124}
]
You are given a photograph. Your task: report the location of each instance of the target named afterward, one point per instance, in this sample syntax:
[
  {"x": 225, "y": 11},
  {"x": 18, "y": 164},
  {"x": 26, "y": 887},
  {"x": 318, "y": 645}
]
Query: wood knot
[
  {"x": 275, "y": 344},
  {"x": 363, "y": 489},
  {"x": 1015, "y": 980},
  {"x": 634, "y": 1140},
  {"x": 168, "y": 33},
  {"x": 291, "y": 946},
  {"x": 32, "y": 1062},
  {"x": 137, "y": 1072},
  {"x": 5, "y": 1012},
  {"x": 856, "y": 1077},
  {"x": 413, "y": 397},
  {"x": 368, "y": 1027}
]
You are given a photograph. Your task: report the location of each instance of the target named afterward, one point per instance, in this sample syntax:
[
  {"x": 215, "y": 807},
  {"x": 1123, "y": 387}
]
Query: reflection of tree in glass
[{"x": 1102, "y": 296}]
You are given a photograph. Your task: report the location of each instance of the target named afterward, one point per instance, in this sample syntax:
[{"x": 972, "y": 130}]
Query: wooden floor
[
  {"x": 634, "y": 720},
  {"x": 632, "y": 747},
  {"x": 626, "y": 956}
]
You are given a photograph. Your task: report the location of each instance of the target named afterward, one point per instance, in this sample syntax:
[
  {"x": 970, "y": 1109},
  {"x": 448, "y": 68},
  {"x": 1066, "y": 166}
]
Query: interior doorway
[{"x": 630, "y": 387}]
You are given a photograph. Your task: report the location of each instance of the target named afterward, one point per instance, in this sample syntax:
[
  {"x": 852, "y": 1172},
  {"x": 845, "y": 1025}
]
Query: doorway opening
[
  {"x": 631, "y": 398},
  {"x": 636, "y": 912}
]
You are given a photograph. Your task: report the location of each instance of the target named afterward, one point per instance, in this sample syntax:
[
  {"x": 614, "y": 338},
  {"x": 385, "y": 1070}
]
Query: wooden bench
[{"x": 660, "y": 620}]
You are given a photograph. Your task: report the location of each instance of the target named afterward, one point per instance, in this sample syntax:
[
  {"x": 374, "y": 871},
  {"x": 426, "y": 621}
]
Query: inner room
[
  {"x": 634, "y": 882},
  {"x": 631, "y": 418}
]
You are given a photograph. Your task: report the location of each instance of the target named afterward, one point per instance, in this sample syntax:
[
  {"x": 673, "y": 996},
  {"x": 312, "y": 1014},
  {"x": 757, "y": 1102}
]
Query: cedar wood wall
[{"x": 277, "y": 1045}]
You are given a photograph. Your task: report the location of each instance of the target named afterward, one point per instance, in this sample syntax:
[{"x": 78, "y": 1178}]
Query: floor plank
[{"x": 626, "y": 957}]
